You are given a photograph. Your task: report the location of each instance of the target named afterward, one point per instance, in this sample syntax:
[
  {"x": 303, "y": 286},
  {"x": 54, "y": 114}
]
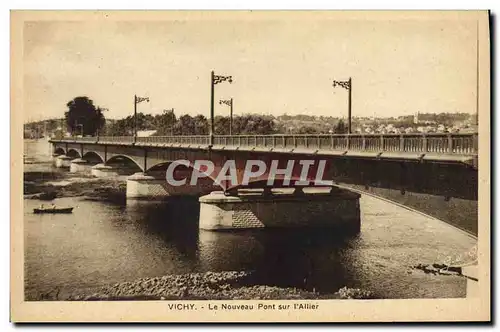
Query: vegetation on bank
[{"x": 51, "y": 185}]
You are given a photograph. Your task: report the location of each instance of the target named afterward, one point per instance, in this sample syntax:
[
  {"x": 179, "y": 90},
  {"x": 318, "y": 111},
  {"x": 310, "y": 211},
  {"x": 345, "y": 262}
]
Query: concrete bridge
[{"x": 435, "y": 173}]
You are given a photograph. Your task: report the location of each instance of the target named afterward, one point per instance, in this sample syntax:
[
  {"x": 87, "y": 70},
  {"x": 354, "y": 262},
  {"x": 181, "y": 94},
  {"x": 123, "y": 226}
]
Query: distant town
[{"x": 168, "y": 123}]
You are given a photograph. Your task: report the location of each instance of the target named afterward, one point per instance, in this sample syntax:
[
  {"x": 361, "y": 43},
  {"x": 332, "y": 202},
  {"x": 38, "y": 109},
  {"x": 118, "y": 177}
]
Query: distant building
[
  {"x": 415, "y": 118},
  {"x": 145, "y": 133}
]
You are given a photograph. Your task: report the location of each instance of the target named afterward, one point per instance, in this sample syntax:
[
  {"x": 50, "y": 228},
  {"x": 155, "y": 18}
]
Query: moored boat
[{"x": 53, "y": 210}]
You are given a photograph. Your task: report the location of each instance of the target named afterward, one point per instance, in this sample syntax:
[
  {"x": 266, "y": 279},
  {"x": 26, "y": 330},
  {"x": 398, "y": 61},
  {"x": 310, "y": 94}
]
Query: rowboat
[{"x": 53, "y": 210}]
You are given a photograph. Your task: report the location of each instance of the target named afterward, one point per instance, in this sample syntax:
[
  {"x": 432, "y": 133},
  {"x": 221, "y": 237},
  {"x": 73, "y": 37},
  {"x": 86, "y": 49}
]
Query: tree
[
  {"x": 144, "y": 121},
  {"x": 165, "y": 123},
  {"x": 83, "y": 117},
  {"x": 340, "y": 128},
  {"x": 122, "y": 127},
  {"x": 185, "y": 125},
  {"x": 253, "y": 124},
  {"x": 308, "y": 130},
  {"x": 200, "y": 125},
  {"x": 221, "y": 124}
]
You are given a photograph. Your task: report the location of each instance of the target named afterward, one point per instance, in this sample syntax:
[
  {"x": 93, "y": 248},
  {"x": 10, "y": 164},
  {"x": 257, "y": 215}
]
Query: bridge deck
[{"x": 460, "y": 148}]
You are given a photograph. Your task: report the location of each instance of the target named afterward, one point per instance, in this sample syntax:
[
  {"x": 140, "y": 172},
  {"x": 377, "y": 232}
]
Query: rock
[
  {"x": 455, "y": 269},
  {"x": 439, "y": 266},
  {"x": 209, "y": 285},
  {"x": 449, "y": 273}
]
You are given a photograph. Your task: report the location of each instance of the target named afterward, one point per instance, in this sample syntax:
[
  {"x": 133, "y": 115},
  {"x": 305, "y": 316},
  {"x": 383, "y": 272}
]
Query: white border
[{"x": 185, "y": 4}]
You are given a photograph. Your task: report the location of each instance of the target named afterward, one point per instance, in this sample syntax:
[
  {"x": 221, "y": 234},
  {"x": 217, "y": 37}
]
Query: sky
[{"x": 398, "y": 67}]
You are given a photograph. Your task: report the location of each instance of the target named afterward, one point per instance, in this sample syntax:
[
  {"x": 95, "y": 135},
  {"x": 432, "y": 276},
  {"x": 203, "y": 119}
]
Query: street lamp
[
  {"x": 215, "y": 79},
  {"x": 348, "y": 86},
  {"x": 137, "y": 100},
  {"x": 229, "y": 102}
]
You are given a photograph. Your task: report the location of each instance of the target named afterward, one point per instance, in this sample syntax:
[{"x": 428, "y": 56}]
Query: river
[{"x": 103, "y": 243}]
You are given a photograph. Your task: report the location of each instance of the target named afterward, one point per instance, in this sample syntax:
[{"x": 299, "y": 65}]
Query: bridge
[{"x": 433, "y": 173}]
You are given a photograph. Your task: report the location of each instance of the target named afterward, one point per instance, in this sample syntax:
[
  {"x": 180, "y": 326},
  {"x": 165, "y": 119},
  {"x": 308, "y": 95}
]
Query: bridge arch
[
  {"x": 159, "y": 167},
  {"x": 73, "y": 153},
  {"x": 162, "y": 168},
  {"x": 92, "y": 156},
  {"x": 59, "y": 151},
  {"x": 124, "y": 160}
]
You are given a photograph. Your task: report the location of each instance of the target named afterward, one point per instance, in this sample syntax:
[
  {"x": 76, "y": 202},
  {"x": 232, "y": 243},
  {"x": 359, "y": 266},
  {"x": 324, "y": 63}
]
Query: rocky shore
[
  {"x": 50, "y": 185},
  {"x": 229, "y": 285}
]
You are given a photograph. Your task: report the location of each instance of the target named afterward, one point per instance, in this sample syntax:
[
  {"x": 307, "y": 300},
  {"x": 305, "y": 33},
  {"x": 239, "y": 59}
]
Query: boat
[{"x": 53, "y": 210}]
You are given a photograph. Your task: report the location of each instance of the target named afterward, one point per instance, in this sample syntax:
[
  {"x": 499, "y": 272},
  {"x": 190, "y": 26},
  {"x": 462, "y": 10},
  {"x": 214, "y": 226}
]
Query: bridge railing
[
  {"x": 417, "y": 143},
  {"x": 194, "y": 140},
  {"x": 116, "y": 139},
  {"x": 87, "y": 139},
  {"x": 433, "y": 143}
]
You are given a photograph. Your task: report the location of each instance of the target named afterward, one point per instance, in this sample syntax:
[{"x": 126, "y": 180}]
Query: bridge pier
[
  {"x": 339, "y": 209},
  {"x": 154, "y": 186},
  {"x": 62, "y": 161},
  {"x": 145, "y": 187},
  {"x": 54, "y": 159},
  {"x": 80, "y": 166},
  {"x": 104, "y": 171}
]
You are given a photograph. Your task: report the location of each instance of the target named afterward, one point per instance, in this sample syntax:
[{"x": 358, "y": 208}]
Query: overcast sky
[{"x": 278, "y": 66}]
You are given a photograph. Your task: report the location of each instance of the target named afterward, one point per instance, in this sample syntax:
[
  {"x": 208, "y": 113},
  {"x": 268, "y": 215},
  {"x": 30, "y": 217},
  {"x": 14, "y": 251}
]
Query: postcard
[{"x": 250, "y": 166}]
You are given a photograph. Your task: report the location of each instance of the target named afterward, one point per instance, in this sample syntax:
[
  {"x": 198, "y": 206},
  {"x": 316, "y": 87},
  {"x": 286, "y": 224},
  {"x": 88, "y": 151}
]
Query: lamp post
[
  {"x": 215, "y": 79},
  {"x": 229, "y": 102},
  {"x": 137, "y": 100},
  {"x": 348, "y": 86}
]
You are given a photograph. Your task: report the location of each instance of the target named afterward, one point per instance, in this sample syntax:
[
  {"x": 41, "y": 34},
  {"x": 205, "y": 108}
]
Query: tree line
[
  {"x": 168, "y": 123},
  {"x": 83, "y": 117}
]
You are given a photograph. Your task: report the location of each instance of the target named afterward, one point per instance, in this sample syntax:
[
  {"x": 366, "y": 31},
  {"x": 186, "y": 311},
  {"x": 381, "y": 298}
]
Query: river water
[{"x": 103, "y": 243}]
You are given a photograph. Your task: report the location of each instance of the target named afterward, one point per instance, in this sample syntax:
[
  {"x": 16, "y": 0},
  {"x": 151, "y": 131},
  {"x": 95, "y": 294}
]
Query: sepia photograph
[{"x": 250, "y": 166}]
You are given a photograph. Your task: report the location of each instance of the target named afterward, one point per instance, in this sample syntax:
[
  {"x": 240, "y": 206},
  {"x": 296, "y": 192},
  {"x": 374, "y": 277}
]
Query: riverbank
[
  {"x": 48, "y": 185},
  {"x": 229, "y": 285}
]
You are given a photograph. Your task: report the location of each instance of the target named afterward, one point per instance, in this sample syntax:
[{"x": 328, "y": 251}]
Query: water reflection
[
  {"x": 285, "y": 257},
  {"x": 174, "y": 222}
]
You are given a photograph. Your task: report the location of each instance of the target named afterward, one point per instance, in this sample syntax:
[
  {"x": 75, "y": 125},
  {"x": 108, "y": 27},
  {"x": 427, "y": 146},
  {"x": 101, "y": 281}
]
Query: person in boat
[{"x": 41, "y": 207}]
